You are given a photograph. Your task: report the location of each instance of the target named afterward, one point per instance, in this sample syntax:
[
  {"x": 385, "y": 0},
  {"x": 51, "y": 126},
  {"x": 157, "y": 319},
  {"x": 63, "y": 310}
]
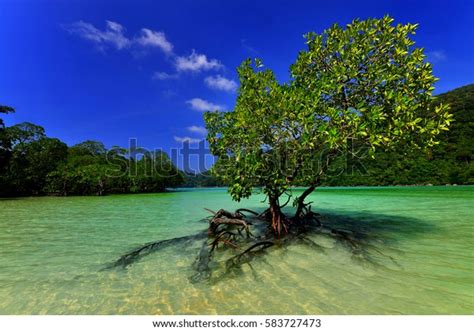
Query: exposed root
[
  {"x": 240, "y": 210},
  {"x": 287, "y": 201},
  {"x": 211, "y": 211},
  {"x": 224, "y": 213},
  {"x": 265, "y": 214},
  {"x": 216, "y": 221}
]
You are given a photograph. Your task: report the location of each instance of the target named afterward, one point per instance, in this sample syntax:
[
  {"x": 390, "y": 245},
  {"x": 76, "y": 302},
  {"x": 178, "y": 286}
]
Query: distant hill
[
  {"x": 448, "y": 163},
  {"x": 459, "y": 141}
]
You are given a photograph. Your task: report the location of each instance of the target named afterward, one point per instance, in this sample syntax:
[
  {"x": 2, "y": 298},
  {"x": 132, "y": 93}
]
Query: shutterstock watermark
[{"x": 196, "y": 158}]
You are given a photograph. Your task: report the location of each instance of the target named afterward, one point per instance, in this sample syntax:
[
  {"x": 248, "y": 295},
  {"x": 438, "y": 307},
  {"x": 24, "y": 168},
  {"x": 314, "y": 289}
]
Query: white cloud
[
  {"x": 203, "y": 105},
  {"x": 197, "y": 129},
  {"x": 164, "y": 76},
  {"x": 113, "y": 35},
  {"x": 221, "y": 83},
  {"x": 155, "y": 39},
  {"x": 436, "y": 56},
  {"x": 196, "y": 62},
  {"x": 187, "y": 139}
]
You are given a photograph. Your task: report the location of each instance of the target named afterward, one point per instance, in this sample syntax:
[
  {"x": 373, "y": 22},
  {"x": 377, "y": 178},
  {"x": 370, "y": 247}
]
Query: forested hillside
[{"x": 447, "y": 163}]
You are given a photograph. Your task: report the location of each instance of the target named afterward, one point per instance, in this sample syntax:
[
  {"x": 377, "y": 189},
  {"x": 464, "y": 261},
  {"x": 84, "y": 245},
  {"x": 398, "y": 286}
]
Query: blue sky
[{"x": 114, "y": 70}]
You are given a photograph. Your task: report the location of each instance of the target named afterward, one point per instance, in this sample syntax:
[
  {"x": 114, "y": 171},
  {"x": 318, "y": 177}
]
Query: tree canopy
[
  {"x": 449, "y": 162},
  {"x": 5, "y": 110},
  {"x": 5, "y": 143},
  {"x": 363, "y": 84}
]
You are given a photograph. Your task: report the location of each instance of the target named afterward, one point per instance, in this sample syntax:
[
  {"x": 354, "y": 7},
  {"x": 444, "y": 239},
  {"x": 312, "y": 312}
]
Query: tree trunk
[
  {"x": 301, "y": 205},
  {"x": 278, "y": 219}
]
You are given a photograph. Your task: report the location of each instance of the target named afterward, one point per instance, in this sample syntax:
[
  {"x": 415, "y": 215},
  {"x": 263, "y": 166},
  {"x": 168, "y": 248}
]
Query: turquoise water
[{"x": 420, "y": 239}]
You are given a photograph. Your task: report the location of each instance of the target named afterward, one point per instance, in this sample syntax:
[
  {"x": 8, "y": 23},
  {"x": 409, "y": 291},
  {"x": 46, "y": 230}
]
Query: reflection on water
[{"x": 418, "y": 256}]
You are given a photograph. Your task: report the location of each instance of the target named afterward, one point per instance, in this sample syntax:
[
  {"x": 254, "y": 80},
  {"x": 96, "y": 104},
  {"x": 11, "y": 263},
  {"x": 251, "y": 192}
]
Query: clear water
[{"x": 421, "y": 241}]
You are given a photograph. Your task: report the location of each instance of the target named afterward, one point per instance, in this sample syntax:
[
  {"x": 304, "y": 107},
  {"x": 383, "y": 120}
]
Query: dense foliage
[
  {"x": 32, "y": 164},
  {"x": 5, "y": 145},
  {"x": 447, "y": 163},
  {"x": 364, "y": 85}
]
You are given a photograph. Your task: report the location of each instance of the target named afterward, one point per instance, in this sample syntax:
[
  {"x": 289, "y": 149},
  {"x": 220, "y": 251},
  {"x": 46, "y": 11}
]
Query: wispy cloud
[
  {"x": 249, "y": 48},
  {"x": 221, "y": 83},
  {"x": 164, "y": 76},
  {"x": 187, "y": 139},
  {"x": 203, "y": 105},
  {"x": 197, "y": 129},
  {"x": 196, "y": 62},
  {"x": 114, "y": 36},
  {"x": 155, "y": 39},
  {"x": 436, "y": 56}
]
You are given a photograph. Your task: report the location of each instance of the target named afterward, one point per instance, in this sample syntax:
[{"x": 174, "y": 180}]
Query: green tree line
[{"x": 33, "y": 164}]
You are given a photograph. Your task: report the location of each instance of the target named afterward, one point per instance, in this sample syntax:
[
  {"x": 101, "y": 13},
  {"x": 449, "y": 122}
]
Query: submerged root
[
  {"x": 307, "y": 241},
  {"x": 345, "y": 236},
  {"x": 201, "y": 264},
  {"x": 248, "y": 254},
  {"x": 307, "y": 218},
  {"x": 226, "y": 237},
  {"x": 232, "y": 230},
  {"x": 138, "y": 253}
]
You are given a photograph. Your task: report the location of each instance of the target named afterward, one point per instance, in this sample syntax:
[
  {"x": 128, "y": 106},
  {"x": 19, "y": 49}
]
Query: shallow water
[{"x": 420, "y": 242}]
